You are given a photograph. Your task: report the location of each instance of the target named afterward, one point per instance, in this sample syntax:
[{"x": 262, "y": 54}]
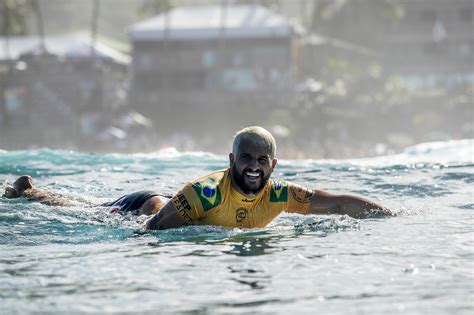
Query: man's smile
[{"x": 252, "y": 176}]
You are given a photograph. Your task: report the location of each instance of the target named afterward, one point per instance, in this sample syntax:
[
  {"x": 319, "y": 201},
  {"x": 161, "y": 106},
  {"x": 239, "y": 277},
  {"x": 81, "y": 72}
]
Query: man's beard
[{"x": 240, "y": 181}]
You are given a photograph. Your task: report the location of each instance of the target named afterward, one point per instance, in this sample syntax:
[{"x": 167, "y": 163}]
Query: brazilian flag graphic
[
  {"x": 209, "y": 194},
  {"x": 279, "y": 192}
]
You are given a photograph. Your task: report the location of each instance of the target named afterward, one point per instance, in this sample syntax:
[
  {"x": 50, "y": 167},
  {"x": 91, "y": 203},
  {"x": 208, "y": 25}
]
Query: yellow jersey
[{"x": 212, "y": 200}]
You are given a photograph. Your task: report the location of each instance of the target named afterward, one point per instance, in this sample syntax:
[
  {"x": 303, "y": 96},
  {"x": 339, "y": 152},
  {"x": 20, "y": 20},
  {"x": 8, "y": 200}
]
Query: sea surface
[{"x": 85, "y": 260}]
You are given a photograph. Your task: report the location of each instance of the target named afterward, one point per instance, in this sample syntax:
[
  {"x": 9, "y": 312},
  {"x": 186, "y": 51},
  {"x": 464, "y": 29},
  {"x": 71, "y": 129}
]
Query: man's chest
[{"x": 241, "y": 214}]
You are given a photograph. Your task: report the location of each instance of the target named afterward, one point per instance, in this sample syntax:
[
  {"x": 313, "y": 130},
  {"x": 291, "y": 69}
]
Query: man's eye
[{"x": 263, "y": 160}]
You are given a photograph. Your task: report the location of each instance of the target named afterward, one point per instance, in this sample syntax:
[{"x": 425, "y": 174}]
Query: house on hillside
[
  {"x": 50, "y": 84},
  {"x": 211, "y": 55}
]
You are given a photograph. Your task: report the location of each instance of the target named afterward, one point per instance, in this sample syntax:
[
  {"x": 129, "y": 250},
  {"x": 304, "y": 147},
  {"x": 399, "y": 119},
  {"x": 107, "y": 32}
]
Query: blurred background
[{"x": 329, "y": 78}]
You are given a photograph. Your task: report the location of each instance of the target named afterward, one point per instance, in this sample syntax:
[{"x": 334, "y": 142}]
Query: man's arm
[
  {"x": 167, "y": 218},
  {"x": 356, "y": 207}
]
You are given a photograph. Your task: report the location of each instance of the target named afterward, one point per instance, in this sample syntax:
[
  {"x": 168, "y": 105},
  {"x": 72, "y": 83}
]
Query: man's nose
[{"x": 253, "y": 165}]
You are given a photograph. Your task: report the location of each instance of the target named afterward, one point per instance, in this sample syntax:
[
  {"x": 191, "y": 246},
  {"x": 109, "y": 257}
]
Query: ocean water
[{"x": 84, "y": 260}]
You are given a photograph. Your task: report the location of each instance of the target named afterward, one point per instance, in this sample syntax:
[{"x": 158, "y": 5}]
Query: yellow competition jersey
[{"x": 211, "y": 200}]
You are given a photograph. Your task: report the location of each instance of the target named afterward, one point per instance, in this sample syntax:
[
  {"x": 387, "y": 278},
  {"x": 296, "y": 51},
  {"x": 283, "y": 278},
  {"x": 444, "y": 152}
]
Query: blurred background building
[
  {"x": 330, "y": 78},
  {"x": 210, "y": 63}
]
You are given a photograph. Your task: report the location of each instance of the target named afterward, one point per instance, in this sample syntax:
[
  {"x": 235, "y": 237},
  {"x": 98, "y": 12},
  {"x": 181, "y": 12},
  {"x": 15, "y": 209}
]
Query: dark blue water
[{"x": 79, "y": 259}]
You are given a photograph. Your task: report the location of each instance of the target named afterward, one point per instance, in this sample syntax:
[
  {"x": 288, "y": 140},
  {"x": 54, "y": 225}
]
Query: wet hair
[{"x": 257, "y": 134}]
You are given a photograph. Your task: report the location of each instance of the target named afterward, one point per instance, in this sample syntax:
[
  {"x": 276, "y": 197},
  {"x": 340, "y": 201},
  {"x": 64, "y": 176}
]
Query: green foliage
[
  {"x": 151, "y": 8},
  {"x": 281, "y": 116},
  {"x": 329, "y": 10},
  {"x": 272, "y": 4},
  {"x": 14, "y": 15}
]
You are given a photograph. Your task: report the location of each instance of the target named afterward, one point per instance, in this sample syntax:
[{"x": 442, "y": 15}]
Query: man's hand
[{"x": 356, "y": 207}]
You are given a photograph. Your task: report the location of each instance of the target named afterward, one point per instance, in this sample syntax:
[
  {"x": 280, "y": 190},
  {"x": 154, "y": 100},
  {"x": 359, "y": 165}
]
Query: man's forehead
[{"x": 254, "y": 146}]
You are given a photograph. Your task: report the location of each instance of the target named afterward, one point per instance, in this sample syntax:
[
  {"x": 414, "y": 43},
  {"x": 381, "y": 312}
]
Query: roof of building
[
  {"x": 208, "y": 22},
  {"x": 67, "y": 46}
]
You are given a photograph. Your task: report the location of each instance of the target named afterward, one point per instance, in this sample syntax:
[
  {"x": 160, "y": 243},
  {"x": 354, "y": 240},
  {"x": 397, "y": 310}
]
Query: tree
[
  {"x": 155, "y": 7},
  {"x": 15, "y": 14},
  {"x": 271, "y": 4},
  {"x": 332, "y": 16}
]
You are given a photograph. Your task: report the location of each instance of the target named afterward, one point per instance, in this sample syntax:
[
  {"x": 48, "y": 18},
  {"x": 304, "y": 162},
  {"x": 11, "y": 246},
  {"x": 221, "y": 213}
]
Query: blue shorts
[{"x": 130, "y": 203}]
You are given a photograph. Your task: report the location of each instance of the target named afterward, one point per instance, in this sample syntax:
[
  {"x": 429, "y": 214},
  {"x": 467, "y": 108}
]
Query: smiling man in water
[
  {"x": 242, "y": 195},
  {"x": 245, "y": 196}
]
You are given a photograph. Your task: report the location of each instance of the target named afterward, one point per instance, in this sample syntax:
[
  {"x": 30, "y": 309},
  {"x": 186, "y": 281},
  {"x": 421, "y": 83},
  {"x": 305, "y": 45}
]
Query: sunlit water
[{"x": 56, "y": 259}]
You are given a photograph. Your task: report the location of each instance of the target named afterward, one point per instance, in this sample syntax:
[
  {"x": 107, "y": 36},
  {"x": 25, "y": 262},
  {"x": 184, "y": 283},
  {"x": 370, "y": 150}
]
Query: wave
[
  {"x": 443, "y": 152},
  {"x": 173, "y": 153},
  {"x": 428, "y": 154},
  {"x": 446, "y": 152}
]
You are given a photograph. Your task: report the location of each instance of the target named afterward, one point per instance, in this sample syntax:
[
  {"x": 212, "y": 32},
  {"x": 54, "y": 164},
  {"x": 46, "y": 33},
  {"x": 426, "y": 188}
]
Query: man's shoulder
[
  {"x": 212, "y": 178},
  {"x": 278, "y": 190},
  {"x": 208, "y": 190},
  {"x": 281, "y": 190},
  {"x": 298, "y": 192}
]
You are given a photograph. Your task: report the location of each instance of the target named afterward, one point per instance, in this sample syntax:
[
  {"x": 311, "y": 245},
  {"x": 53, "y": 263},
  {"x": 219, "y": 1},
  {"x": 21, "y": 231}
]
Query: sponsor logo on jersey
[
  {"x": 279, "y": 192},
  {"x": 241, "y": 214},
  {"x": 181, "y": 202},
  {"x": 248, "y": 200},
  {"x": 302, "y": 194},
  {"x": 208, "y": 193},
  {"x": 182, "y": 206}
]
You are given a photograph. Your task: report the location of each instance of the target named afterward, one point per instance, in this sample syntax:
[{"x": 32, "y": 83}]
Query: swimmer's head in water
[
  {"x": 258, "y": 135},
  {"x": 23, "y": 183},
  {"x": 252, "y": 159}
]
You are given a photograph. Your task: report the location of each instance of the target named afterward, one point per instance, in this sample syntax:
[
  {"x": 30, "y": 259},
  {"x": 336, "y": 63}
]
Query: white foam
[
  {"x": 172, "y": 153},
  {"x": 442, "y": 152},
  {"x": 445, "y": 152}
]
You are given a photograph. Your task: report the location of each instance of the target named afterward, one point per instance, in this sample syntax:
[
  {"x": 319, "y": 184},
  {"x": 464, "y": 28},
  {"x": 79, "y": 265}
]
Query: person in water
[
  {"x": 245, "y": 196},
  {"x": 138, "y": 203},
  {"x": 242, "y": 195}
]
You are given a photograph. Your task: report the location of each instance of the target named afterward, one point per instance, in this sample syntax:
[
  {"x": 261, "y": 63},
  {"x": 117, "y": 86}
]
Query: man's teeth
[{"x": 252, "y": 174}]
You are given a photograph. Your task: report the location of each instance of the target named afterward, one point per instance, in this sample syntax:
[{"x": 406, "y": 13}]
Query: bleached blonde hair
[{"x": 257, "y": 134}]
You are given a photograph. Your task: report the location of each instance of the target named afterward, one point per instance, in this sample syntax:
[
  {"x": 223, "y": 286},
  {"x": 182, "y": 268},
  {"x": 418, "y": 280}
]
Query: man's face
[{"x": 251, "y": 167}]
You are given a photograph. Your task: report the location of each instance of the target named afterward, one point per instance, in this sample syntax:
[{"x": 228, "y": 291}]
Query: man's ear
[
  {"x": 231, "y": 159},
  {"x": 274, "y": 163}
]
